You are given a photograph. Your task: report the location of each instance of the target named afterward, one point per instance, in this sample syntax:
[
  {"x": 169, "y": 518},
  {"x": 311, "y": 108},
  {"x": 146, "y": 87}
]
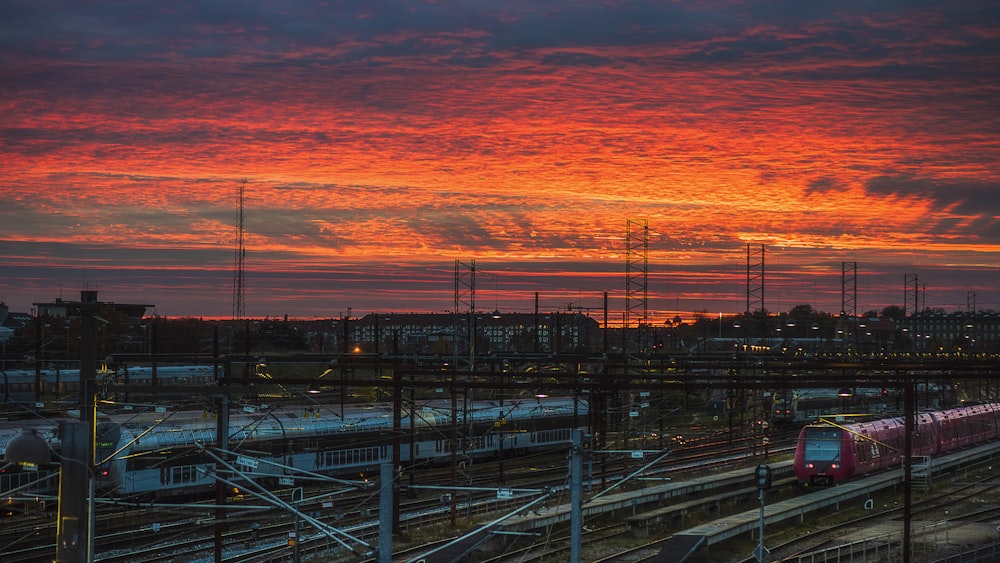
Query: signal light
[
  {"x": 762, "y": 477},
  {"x": 885, "y": 391}
]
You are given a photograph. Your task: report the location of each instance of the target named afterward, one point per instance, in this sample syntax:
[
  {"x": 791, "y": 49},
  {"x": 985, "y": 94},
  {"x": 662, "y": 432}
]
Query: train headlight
[{"x": 834, "y": 466}]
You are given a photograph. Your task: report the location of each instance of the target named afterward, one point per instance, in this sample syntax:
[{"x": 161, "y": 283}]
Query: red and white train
[{"x": 828, "y": 454}]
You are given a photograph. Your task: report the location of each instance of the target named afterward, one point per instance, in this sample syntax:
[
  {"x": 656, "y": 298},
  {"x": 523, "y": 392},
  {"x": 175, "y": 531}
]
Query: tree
[
  {"x": 893, "y": 312},
  {"x": 804, "y": 311}
]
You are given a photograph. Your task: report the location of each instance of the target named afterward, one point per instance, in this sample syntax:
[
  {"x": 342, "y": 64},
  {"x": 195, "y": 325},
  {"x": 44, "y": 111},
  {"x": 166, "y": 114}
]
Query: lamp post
[
  {"x": 28, "y": 449},
  {"x": 844, "y": 393}
]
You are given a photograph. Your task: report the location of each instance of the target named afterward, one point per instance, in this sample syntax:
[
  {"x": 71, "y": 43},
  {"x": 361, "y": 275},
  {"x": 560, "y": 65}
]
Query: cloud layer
[{"x": 381, "y": 141}]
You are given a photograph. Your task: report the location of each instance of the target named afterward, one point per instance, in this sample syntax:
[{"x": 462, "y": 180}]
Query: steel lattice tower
[
  {"x": 637, "y": 276},
  {"x": 465, "y": 315},
  {"x": 755, "y": 280},
  {"x": 239, "y": 298},
  {"x": 911, "y": 294},
  {"x": 849, "y": 289}
]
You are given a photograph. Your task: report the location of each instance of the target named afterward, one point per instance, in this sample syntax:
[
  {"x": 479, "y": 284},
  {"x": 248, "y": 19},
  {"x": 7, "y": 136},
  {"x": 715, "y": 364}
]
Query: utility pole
[
  {"x": 576, "y": 496},
  {"x": 74, "y": 534},
  {"x": 222, "y": 441},
  {"x": 386, "y": 513},
  {"x": 909, "y": 426}
]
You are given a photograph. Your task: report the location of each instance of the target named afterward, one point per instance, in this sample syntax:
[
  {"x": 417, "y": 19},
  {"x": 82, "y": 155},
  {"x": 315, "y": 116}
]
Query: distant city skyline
[
  {"x": 381, "y": 142},
  {"x": 513, "y": 292}
]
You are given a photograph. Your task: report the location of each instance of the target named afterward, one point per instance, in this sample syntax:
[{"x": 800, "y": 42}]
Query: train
[
  {"x": 19, "y": 384},
  {"x": 161, "y": 453},
  {"x": 806, "y": 405},
  {"x": 828, "y": 454}
]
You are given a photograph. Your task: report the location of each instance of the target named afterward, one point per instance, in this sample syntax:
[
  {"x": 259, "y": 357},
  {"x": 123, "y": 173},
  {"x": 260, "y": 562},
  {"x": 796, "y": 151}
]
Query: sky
[{"x": 379, "y": 142}]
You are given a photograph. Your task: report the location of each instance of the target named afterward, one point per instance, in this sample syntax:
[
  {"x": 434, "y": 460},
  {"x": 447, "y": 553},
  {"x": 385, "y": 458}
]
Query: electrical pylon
[
  {"x": 755, "y": 280},
  {"x": 849, "y": 288},
  {"x": 465, "y": 315},
  {"x": 636, "y": 278},
  {"x": 911, "y": 294}
]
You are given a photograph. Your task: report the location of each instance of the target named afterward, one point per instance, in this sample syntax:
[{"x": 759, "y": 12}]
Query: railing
[{"x": 887, "y": 547}]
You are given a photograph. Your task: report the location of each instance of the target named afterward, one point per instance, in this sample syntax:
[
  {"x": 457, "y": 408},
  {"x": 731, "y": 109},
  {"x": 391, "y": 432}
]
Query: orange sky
[{"x": 380, "y": 143}]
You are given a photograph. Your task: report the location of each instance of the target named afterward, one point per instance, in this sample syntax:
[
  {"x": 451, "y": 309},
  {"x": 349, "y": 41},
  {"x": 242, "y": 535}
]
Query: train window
[
  {"x": 822, "y": 444},
  {"x": 183, "y": 474},
  {"x": 324, "y": 458}
]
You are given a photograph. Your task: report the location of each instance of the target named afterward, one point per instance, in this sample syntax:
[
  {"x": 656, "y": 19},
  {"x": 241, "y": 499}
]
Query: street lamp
[
  {"x": 844, "y": 393},
  {"x": 75, "y": 517},
  {"x": 28, "y": 450}
]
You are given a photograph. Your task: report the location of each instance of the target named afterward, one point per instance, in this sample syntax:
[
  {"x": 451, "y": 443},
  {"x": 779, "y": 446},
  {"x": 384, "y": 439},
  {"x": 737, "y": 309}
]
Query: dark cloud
[{"x": 961, "y": 197}]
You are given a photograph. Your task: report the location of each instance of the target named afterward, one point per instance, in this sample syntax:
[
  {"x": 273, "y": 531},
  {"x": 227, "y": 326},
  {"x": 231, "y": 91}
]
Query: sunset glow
[{"x": 382, "y": 142}]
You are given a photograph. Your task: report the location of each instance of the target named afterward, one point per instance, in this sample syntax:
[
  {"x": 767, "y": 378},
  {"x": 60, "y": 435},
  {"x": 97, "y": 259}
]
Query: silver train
[
  {"x": 806, "y": 405},
  {"x": 155, "y": 453},
  {"x": 19, "y": 384}
]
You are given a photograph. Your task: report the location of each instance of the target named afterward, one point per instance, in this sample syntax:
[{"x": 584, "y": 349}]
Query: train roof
[
  {"x": 161, "y": 427},
  {"x": 922, "y": 415}
]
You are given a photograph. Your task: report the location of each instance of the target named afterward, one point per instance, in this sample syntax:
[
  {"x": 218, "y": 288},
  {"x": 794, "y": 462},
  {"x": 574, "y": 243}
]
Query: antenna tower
[{"x": 239, "y": 299}]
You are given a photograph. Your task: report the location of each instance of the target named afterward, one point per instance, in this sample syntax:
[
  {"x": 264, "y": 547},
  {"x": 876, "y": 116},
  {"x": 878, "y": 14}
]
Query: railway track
[
  {"x": 952, "y": 506},
  {"x": 177, "y": 532}
]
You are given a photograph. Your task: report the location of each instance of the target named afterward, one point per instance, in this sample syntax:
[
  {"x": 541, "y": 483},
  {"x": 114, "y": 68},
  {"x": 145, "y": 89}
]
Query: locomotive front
[{"x": 823, "y": 456}]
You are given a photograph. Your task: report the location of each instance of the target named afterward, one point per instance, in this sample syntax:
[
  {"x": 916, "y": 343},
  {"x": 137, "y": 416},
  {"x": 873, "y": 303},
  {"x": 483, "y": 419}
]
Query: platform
[
  {"x": 678, "y": 549},
  {"x": 631, "y": 503}
]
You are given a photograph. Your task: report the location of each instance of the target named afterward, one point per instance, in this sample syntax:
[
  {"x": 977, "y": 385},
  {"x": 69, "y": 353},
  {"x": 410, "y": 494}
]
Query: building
[
  {"x": 437, "y": 333},
  {"x": 937, "y": 331},
  {"x": 60, "y": 309}
]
